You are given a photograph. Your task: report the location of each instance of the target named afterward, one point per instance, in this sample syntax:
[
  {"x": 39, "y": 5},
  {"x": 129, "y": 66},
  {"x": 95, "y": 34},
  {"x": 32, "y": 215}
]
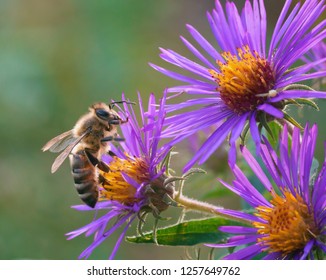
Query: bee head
[{"x": 105, "y": 113}]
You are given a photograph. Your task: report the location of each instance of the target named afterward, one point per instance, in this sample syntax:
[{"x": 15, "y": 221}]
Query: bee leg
[
  {"x": 112, "y": 154},
  {"x": 102, "y": 166},
  {"x": 95, "y": 162},
  {"x": 107, "y": 139},
  {"x": 125, "y": 121},
  {"x": 115, "y": 122},
  {"x": 101, "y": 179},
  {"x": 118, "y": 139},
  {"x": 92, "y": 159},
  {"x": 111, "y": 138}
]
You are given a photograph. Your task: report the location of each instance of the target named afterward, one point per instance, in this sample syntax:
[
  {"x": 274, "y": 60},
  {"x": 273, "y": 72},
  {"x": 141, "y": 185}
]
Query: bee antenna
[{"x": 111, "y": 105}]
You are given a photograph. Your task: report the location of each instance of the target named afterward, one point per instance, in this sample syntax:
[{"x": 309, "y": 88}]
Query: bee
[{"x": 85, "y": 144}]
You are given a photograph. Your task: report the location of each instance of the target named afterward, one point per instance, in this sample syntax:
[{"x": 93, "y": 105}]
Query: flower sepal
[{"x": 300, "y": 102}]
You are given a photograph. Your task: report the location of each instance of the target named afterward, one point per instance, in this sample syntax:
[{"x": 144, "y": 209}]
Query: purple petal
[
  {"x": 272, "y": 256},
  {"x": 238, "y": 229},
  {"x": 241, "y": 215},
  {"x": 307, "y": 249},
  {"x": 240, "y": 240},
  {"x": 245, "y": 254},
  {"x": 88, "y": 251},
  {"x": 122, "y": 235},
  {"x": 293, "y": 94},
  {"x": 271, "y": 110},
  {"x": 254, "y": 132},
  {"x": 198, "y": 54},
  {"x": 255, "y": 167},
  {"x": 204, "y": 43},
  {"x": 177, "y": 76},
  {"x": 213, "y": 142}
]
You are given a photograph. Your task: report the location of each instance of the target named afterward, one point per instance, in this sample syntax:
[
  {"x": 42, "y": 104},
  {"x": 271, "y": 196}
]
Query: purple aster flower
[
  {"x": 134, "y": 182},
  {"x": 248, "y": 83},
  {"x": 291, "y": 223}
]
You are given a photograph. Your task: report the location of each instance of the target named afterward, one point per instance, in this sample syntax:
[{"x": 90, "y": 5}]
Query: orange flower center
[
  {"x": 244, "y": 81},
  {"x": 289, "y": 224},
  {"x": 115, "y": 187}
]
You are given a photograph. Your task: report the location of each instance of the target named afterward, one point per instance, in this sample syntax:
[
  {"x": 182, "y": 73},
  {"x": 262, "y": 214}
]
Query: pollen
[
  {"x": 115, "y": 186},
  {"x": 244, "y": 80},
  {"x": 289, "y": 224}
]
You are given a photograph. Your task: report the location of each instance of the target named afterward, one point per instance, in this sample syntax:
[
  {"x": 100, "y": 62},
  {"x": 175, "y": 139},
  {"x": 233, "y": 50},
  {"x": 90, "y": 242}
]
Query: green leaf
[
  {"x": 292, "y": 120},
  {"x": 273, "y": 136},
  {"x": 187, "y": 233}
]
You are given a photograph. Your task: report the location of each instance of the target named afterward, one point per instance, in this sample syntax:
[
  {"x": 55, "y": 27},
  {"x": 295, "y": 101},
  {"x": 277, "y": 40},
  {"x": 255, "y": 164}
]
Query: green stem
[{"x": 203, "y": 207}]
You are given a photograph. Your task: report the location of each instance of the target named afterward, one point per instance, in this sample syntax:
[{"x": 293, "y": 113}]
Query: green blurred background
[{"x": 56, "y": 58}]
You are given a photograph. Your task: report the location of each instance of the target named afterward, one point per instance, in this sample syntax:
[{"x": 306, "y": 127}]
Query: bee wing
[
  {"x": 59, "y": 143},
  {"x": 60, "y": 159}
]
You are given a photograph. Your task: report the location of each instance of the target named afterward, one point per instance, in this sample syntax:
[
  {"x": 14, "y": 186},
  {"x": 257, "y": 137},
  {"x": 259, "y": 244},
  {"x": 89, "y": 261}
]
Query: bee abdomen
[{"x": 84, "y": 176}]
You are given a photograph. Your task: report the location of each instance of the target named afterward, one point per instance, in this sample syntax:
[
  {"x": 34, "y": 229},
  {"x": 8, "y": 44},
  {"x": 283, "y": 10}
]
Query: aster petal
[
  {"x": 285, "y": 180},
  {"x": 183, "y": 62},
  {"x": 295, "y": 32},
  {"x": 185, "y": 120},
  {"x": 292, "y": 94},
  {"x": 239, "y": 127},
  {"x": 255, "y": 167},
  {"x": 269, "y": 158},
  {"x": 307, "y": 249},
  {"x": 301, "y": 74},
  {"x": 248, "y": 189},
  {"x": 245, "y": 253},
  {"x": 188, "y": 127},
  {"x": 192, "y": 102},
  {"x": 130, "y": 180},
  {"x": 98, "y": 206},
  {"x": 235, "y": 134},
  {"x": 203, "y": 42},
  {"x": 239, "y": 240},
  {"x": 213, "y": 20},
  {"x": 319, "y": 196},
  {"x": 241, "y": 215},
  {"x": 197, "y": 53},
  {"x": 206, "y": 89},
  {"x": 237, "y": 27},
  {"x": 88, "y": 251},
  {"x": 284, "y": 157},
  {"x": 306, "y": 157},
  {"x": 122, "y": 235},
  {"x": 178, "y": 76},
  {"x": 213, "y": 142},
  {"x": 281, "y": 27},
  {"x": 295, "y": 148},
  {"x": 271, "y": 110},
  {"x": 263, "y": 24},
  {"x": 247, "y": 192},
  {"x": 223, "y": 34},
  {"x": 254, "y": 132},
  {"x": 321, "y": 245},
  {"x": 93, "y": 225},
  {"x": 272, "y": 256},
  {"x": 238, "y": 229},
  {"x": 305, "y": 43},
  {"x": 251, "y": 23}
]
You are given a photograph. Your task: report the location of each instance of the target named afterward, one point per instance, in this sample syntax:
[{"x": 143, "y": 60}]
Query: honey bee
[{"x": 85, "y": 144}]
